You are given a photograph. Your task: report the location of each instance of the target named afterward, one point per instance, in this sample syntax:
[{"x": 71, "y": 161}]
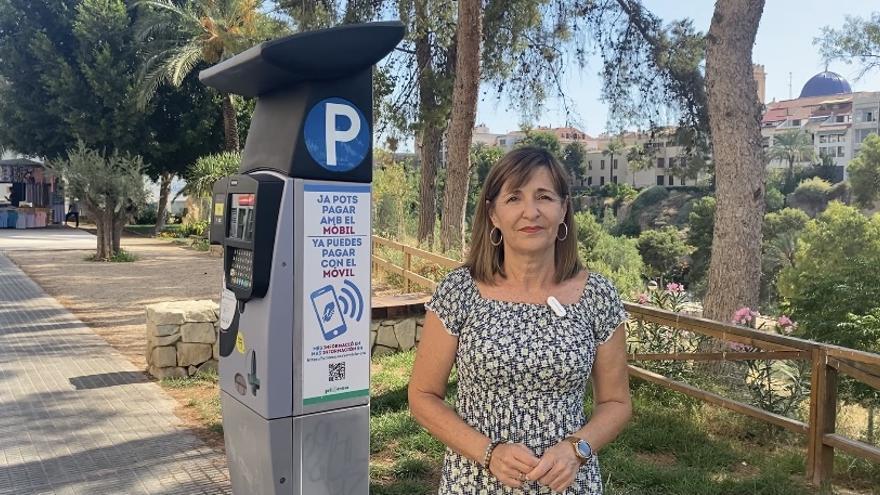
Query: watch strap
[{"x": 574, "y": 441}]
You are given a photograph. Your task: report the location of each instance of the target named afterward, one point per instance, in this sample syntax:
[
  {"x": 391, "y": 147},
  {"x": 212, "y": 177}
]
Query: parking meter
[{"x": 295, "y": 226}]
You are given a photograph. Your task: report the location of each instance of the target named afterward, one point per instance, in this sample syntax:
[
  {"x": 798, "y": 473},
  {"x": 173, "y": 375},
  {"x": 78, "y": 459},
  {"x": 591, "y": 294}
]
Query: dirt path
[{"x": 110, "y": 297}]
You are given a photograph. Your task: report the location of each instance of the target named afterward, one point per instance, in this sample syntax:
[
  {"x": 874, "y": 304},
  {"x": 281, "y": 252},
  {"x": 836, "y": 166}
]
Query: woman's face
[{"x": 529, "y": 216}]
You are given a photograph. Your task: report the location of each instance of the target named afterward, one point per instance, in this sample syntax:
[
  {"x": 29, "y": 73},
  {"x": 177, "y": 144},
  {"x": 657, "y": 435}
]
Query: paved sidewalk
[
  {"x": 52, "y": 238},
  {"x": 77, "y": 418}
]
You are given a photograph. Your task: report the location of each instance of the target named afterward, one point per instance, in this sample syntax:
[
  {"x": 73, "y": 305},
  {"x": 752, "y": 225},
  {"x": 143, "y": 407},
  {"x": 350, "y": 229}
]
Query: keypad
[{"x": 242, "y": 264}]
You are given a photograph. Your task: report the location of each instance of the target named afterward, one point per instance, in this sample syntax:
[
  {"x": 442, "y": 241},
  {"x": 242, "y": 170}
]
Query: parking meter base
[{"x": 315, "y": 454}]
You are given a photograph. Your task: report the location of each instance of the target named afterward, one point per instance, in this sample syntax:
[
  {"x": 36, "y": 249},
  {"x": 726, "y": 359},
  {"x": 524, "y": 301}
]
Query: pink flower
[
  {"x": 674, "y": 288},
  {"x": 784, "y": 321},
  {"x": 738, "y": 347},
  {"x": 643, "y": 298},
  {"x": 743, "y": 315}
]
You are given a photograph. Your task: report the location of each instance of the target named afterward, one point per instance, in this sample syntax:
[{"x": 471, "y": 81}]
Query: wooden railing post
[
  {"x": 407, "y": 266},
  {"x": 823, "y": 415}
]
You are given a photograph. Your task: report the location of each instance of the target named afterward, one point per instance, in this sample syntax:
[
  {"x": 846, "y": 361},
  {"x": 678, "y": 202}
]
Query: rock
[
  {"x": 198, "y": 332},
  {"x": 405, "y": 331},
  {"x": 216, "y": 353},
  {"x": 374, "y": 326},
  {"x": 373, "y": 338},
  {"x": 172, "y": 372},
  {"x": 192, "y": 354},
  {"x": 386, "y": 338},
  {"x": 160, "y": 341},
  {"x": 180, "y": 312},
  {"x": 154, "y": 330},
  {"x": 192, "y": 370},
  {"x": 381, "y": 350},
  {"x": 419, "y": 329},
  {"x": 209, "y": 366},
  {"x": 163, "y": 357}
]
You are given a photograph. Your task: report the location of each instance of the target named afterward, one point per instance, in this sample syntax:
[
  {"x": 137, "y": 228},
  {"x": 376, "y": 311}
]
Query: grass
[
  {"x": 122, "y": 256},
  {"x": 674, "y": 444}
]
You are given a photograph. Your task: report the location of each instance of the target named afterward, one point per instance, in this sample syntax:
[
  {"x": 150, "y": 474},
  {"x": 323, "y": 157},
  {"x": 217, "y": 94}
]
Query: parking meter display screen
[{"x": 241, "y": 217}]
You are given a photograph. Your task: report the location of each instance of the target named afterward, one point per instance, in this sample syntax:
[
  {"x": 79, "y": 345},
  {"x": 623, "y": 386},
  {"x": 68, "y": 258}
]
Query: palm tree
[
  {"x": 792, "y": 146},
  {"x": 638, "y": 158},
  {"x": 180, "y": 36},
  {"x": 615, "y": 147}
]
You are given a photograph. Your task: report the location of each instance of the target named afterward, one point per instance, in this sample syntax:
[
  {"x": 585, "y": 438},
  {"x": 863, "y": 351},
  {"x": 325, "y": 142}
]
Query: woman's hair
[{"x": 516, "y": 168}]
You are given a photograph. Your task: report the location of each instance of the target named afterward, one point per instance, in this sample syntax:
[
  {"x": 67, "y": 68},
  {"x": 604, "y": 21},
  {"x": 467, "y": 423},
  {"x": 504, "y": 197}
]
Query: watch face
[{"x": 584, "y": 449}]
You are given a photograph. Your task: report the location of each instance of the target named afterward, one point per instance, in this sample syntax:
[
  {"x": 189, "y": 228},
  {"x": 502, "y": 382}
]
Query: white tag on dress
[{"x": 556, "y": 306}]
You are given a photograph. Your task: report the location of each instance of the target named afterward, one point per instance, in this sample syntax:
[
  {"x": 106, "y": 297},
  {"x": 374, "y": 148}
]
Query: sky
[{"x": 784, "y": 45}]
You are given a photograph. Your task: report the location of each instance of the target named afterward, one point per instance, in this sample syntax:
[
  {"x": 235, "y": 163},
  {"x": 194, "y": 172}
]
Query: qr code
[{"x": 337, "y": 371}]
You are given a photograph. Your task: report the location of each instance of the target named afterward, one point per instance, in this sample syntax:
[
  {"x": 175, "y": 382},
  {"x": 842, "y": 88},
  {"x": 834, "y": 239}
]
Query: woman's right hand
[{"x": 510, "y": 462}]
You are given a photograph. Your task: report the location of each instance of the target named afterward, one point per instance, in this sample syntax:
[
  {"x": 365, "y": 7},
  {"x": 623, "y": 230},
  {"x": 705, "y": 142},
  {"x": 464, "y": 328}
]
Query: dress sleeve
[
  {"x": 451, "y": 300},
  {"x": 609, "y": 310}
]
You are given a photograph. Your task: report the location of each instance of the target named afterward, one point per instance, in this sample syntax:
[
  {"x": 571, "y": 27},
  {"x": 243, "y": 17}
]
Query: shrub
[
  {"x": 811, "y": 195},
  {"x": 663, "y": 251},
  {"x": 774, "y": 200},
  {"x": 146, "y": 215},
  {"x": 834, "y": 274}
]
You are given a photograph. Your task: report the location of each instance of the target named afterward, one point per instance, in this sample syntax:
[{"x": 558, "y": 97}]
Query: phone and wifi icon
[{"x": 332, "y": 308}]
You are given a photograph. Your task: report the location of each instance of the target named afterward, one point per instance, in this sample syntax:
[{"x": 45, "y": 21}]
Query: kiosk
[{"x": 295, "y": 226}]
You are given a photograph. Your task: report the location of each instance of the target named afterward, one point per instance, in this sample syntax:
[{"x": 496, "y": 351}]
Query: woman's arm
[
  {"x": 427, "y": 391},
  {"x": 612, "y": 407}
]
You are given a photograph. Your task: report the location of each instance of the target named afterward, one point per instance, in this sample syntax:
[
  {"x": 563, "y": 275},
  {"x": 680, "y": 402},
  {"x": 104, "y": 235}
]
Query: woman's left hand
[{"x": 558, "y": 467}]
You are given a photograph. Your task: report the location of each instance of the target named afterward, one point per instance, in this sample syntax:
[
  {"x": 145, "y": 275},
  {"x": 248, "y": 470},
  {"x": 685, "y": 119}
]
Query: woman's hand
[
  {"x": 510, "y": 462},
  {"x": 558, "y": 467}
]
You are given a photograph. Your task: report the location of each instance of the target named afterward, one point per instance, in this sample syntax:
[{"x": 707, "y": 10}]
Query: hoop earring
[
  {"x": 500, "y": 237},
  {"x": 563, "y": 224}
]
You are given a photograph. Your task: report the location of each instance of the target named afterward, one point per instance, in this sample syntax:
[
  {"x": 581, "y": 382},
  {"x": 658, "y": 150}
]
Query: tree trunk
[
  {"x": 230, "y": 123},
  {"x": 162, "y": 207},
  {"x": 461, "y": 125},
  {"x": 431, "y": 147},
  {"x": 118, "y": 221},
  {"x": 734, "y": 119}
]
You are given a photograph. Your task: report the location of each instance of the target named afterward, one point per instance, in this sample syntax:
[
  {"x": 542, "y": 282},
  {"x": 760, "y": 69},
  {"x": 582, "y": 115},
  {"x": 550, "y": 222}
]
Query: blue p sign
[{"x": 337, "y": 135}]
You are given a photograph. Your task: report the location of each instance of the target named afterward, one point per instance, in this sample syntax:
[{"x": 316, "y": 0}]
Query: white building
[{"x": 836, "y": 119}]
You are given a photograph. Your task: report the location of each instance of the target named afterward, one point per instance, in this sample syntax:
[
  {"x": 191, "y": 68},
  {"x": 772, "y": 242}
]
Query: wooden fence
[{"x": 827, "y": 363}]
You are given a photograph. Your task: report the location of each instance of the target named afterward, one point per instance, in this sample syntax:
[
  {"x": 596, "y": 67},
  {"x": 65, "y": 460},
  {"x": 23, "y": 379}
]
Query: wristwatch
[{"x": 582, "y": 449}]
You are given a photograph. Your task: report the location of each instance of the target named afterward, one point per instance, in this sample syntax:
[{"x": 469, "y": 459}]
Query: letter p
[{"x": 333, "y": 135}]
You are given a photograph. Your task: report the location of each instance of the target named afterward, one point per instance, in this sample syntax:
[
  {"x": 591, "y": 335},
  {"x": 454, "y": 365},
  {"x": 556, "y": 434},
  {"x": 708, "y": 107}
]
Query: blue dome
[{"x": 824, "y": 84}]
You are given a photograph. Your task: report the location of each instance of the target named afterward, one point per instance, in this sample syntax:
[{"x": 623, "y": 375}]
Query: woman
[{"x": 526, "y": 326}]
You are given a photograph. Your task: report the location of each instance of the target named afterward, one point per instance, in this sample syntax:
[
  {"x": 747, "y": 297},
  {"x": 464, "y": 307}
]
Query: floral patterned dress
[{"x": 522, "y": 374}]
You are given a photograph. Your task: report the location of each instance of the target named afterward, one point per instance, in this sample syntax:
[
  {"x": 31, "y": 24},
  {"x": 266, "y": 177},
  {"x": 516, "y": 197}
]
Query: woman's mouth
[{"x": 531, "y": 230}]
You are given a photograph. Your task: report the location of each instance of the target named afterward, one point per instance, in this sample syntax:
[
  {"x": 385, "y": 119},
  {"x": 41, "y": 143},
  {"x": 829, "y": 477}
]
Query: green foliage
[
  {"x": 146, "y": 215},
  {"x": 774, "y": 200},
  {"x": 589, "y": 230},
  {"x": 541, "y": 139},
  {"x": 648, "y": 197},
  {"x": 121, "y": 256},
  {"x": 574, "y": 158},
  {"x": 858, "y": 40},
  {"x": 781, "y": 231},
  {"x": 701, "y": 223},
  {"x": 663, "y": 251},
  {"x": 198, "y": 228},
  {"x": 482, "y": 159},
  {"x": 864, "y": 172},
  {"x": 618, "y": 259},
  {"x": 395, "y": 196},
  {"x": 68, "y": 68},
  {"x": 811, "y": 195},
  {"x": 207, "y": 170},
  {"x": 834, "y": 274}
]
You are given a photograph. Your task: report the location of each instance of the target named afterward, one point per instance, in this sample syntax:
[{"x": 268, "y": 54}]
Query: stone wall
[
  {"x": 182, "y": 338},
  {"x": 395, "y": 334}
]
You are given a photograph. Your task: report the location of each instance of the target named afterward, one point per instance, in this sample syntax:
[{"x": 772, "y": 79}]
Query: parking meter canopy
[{"x": 314, "y": 113}]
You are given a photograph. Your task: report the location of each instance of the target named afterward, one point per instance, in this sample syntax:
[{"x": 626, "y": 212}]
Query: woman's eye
[
  {"x": 546, "y": 197},
  {"x": 512, "y": 199}
]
